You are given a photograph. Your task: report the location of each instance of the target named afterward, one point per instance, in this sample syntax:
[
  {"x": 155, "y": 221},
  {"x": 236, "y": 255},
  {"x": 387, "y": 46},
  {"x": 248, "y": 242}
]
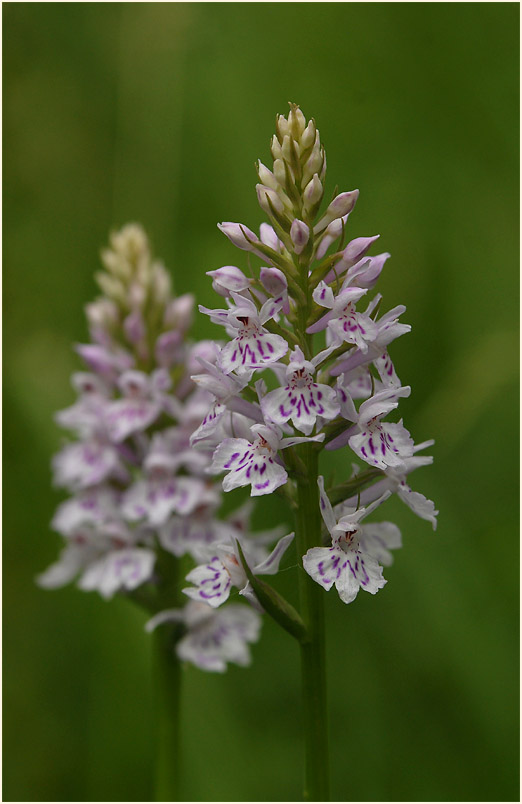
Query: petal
[
  {"x": 265, "y": 476},
  {"x": 231, "y": 453},
  {"x": 382, "y": 403},
  {"x": 127, "y": 416},
  {"x": 326, "y": 506},
  {"x": 291, "y": 442},
  {"x": 359, "y": 570},
  {"x": 323, "y": 295},
  {"x": 378, "y": 538},
  {"x": 212, "y": 583},
  {"x": 384, "y": 444},
  {"x": 208, "y": 426},
  {"x": 271, "y": 564},
  {"x": 119, "y": 569},
  {"x": 167, "y": 616},
  {"x": 62, "y": 572},
  {"x": 323, "y": 564},
  {"x": 419, "y": 504},
  {"x": 252, "y": 351}
]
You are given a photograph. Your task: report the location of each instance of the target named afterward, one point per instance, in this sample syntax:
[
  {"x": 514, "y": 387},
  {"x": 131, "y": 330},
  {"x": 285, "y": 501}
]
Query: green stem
[
  {"x": 168, "y": 703},
  {"x": 313, "y": 671}
]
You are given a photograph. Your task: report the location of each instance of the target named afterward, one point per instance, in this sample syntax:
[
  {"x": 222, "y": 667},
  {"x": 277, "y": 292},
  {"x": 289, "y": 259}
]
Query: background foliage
[{"x": 156, "y": 112}]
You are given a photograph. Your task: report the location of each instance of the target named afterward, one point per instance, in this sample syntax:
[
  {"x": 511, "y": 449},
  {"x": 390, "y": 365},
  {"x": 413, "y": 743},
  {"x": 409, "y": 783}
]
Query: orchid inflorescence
[
  {"x": 310, "y": 282},
  {"x": 141, "y": 497},
  {"x": 157, "y": 415}
]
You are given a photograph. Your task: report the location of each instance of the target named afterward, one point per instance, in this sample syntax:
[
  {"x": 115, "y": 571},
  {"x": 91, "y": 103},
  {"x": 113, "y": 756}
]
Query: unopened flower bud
[
  {"x": 134, "y": 327},
  {"x": 309, "y": 135},
  {"x": 241, "y": 236},
  {"x": 368, "y": 278},
  {"x": 357, "y": 248},
  {"x": 340, "y": 207},
  {"x": 102, "y": 313},
  {"x": 267, "y": 177},
  {"x": 280, "y": 172},
  {"x": 137, "y": 295},
  {"x": 115, "y": 264},
  {"x": 275, "y": 148},
  {"x": 112, "y": 288},
  {"x": 167, "y": 347},
  {"x": 282, "y": 127},
  {"x": 131, "y": 242},
  {"x": 314, "y": 163},
  {"x": 273, "y": 280},
  {"x": 269, "y": 237},
  {"x": 296, "y": 122},
  {"x": 228, "y": 279},
  {"x": 354, "y": 251},
  {"x": 290, "y": 149},
  {"x": 266, "y": 195},
  {"x": 331, "y": 233},
  {"x": 161, "y": 284},
  {"x": 179, "y": 313},
  {"x": 300, "y": 234},
  {"x": 312, "y": 195}
]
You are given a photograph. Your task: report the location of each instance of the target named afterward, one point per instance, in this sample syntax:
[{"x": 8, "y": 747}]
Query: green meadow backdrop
[{"x": 156, "y": 113}]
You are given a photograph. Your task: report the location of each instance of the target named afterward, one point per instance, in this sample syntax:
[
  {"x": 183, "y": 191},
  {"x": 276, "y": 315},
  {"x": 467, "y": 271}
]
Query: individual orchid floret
[
  {"x": 381, "y": 444},
  {"x": 352, "y": 561},
  {"x": 388, "y": 328},
  {"x": 107, "y": 363},
  {"x": 351, "y": 255},
  {"x": 344, "y": 323},
  {"x": 395, "y": 480},
  {"x": 86, "y": 415},
  {"x": 241, "y": 236},
  {"x": 269, "y": 238},
  {"x": 275, "y": 283},
  {"x": 83, "y": 464},
  {"x": 153, "y": 499},
  {"x": 124, "y": 569},
  {"x": 255, "y": 463},
  {"x": 92, "y": 506},
  {"x": 300, "y": 234},
  {"x": 141, "y": 403},
  {"x": 226, "y": 389},
  {"x": 340, "y": 207},
  {"x": 213, "y": 637},
  {"x": 253, "y": 346},
  {"x": 301, "y": 400},
  {"x": 228, "y": 279},
  {"x": 106, "y": 556},
  {"x": 214, "y": 580}
]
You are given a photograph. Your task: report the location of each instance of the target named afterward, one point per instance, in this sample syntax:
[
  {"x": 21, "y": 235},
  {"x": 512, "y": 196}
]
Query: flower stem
[
  {"x": 168, "y": 704},
  {"x": 313, "y": 671}
]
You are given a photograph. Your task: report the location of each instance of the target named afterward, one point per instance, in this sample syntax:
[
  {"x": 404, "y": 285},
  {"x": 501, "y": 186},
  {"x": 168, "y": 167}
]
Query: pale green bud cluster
[
  {"x": 137, "y": 309},
  {"x": 293, "y": 189},
  {"x": 133, "y": 280}
]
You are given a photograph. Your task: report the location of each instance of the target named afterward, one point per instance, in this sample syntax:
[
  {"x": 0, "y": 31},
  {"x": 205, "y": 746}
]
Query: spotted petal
[
  {"x": 212, "y": 583},
  {"x": 323, "y": 564},
  {"x": 383, "y": 444},
  {"x": 252, "y": 350},
  {"x": 127, "y": 416},
  {"x": 119, "y": 569},
  {"x": 358, "y": 571}
]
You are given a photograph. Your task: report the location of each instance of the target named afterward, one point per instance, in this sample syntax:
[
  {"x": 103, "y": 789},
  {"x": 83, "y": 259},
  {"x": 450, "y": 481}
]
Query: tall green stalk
[
  {"x": 167, "y": 672},
  {"x": 313, "y": 669},
  {"x": 168, "y": 677}
]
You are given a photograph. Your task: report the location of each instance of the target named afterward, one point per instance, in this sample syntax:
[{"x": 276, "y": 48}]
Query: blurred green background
[{"x": 156, "y": 113}]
